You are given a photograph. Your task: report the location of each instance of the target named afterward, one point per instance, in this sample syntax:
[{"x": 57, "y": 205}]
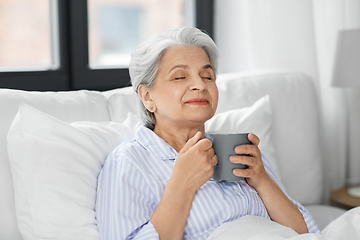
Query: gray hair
[{"x": 145, "y": 59}]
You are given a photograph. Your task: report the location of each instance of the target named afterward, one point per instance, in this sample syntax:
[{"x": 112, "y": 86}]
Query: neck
[{"x": 177, "y": 136}]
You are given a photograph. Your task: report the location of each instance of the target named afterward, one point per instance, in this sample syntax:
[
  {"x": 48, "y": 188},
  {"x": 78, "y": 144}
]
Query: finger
[
  {"x": 246, "y": 160},
  {"x": 254, "y": 139},
  {"x": 191, "y": 142},
  {"x": 246, "y": 173},
  {"x": 214, "y": 159},
  {"x": 210, "y": 153},
  {"x": 251, "y": 150},
  {"x": 205, "y": 144}
]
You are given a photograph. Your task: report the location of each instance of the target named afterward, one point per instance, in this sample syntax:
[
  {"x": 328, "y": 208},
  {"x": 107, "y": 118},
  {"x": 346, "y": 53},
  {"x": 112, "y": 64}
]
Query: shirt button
[
  {"x": 236, "y": 191},
  {"x": 253, "y": 190}
]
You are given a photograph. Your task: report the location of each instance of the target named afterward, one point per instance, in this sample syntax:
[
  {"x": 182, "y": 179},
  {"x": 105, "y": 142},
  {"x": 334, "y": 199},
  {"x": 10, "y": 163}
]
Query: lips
[{"x": 197, "y": 101}]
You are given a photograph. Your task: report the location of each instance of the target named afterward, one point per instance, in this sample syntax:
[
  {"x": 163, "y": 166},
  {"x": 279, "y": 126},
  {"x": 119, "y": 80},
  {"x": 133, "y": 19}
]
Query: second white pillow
[{"x": 256, "y": 119}]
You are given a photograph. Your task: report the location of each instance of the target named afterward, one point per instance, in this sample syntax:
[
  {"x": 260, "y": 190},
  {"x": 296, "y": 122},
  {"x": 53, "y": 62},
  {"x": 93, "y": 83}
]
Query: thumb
[
  {"x": 191, "y": 142},
  {"x": 254, "y": 139}
]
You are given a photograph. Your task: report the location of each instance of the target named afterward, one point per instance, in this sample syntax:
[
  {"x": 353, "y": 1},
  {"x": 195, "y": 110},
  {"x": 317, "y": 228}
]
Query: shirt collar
[{"x": 153, "y": 143}]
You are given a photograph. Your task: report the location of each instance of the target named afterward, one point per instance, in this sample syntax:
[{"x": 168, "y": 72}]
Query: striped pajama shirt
[{"x": 134, "y": 177}]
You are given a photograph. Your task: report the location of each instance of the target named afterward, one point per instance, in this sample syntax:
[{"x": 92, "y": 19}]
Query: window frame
[
  {"x": 74, "y": 72},
  {"x": 86, "y": 78}
]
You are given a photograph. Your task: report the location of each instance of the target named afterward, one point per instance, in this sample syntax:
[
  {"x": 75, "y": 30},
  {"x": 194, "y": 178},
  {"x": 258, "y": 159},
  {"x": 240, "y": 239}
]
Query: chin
[{"x": 202, "y": 119}]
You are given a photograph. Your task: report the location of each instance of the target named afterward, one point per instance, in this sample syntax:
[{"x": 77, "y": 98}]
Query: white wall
[{"x": 299, "y": 35}]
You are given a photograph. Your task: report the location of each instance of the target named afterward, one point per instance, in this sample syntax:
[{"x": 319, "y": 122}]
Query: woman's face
[{"x": 185, "y": 91}]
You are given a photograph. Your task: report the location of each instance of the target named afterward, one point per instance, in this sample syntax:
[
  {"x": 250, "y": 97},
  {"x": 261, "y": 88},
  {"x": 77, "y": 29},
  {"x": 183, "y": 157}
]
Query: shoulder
[
  {"x": 126, "y": 153},
  {"x": 132, "y": 152},
  {"x": 121, "y": 165}
]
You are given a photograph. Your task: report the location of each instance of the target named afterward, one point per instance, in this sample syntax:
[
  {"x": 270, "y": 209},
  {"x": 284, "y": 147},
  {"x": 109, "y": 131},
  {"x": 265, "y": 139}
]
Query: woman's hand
[
  {"x": 195, "y": 163},
  {"x": 193, "y": 167},
  {"x": 279, "y": 207},
  {"x": 255, "y": 175}
]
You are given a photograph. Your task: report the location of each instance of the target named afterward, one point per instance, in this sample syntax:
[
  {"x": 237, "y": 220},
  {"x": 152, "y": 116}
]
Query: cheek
[
  {"x": 213, "y": 91},
  {"x": 169, "y": 97}
]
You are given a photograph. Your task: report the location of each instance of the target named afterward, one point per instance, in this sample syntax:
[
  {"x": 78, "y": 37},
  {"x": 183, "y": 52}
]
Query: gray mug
[{"x": 224, "y": 146}]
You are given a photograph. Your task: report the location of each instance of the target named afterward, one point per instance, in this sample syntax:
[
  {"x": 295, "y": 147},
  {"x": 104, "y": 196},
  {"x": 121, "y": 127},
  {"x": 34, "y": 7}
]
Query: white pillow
[
  {"x": 344, "y": 227},
  {"x": 256, "y": 119},
  {"x": 120, "y": 101},
  {"x": 252, "y": 228},
  {"x": 55, "y": 167}
]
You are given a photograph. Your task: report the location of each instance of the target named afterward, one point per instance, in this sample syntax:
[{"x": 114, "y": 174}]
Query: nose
[{"x": 197, "y": 84}]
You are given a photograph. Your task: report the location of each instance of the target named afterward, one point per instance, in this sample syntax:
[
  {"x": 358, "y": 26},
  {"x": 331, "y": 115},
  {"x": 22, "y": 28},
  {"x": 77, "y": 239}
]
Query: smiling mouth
[{"x": 197, "y": 101}]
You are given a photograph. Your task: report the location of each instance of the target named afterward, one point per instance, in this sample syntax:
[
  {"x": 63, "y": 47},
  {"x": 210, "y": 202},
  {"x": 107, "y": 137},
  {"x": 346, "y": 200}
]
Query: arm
[
  {"x": 278, "y": 205},
  {"x": 310, "y": 223},
  {"x": 280, "y": 208},
  {"x": 193, "y": 167},
  {"x": 120, "y": 212},
  {"x": 170, "y": 216}
]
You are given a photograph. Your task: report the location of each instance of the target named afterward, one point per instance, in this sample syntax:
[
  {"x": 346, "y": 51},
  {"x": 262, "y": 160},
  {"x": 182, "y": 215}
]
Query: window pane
[
  {"x": 117, "y": 26},
  {"x": 28, "y": 35}
]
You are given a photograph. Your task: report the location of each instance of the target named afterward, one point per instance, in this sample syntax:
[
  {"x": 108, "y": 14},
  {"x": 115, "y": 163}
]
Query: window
[
  {"x": 112, "y": 37},
  {"x": 40, "y": 50},
  {"x": 117, "y": 27},
  {"x": 83, "y": 44}
]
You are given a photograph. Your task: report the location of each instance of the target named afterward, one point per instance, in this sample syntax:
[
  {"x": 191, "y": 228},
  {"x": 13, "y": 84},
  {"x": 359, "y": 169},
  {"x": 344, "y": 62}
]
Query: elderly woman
[{"x": 157, "y": 185}]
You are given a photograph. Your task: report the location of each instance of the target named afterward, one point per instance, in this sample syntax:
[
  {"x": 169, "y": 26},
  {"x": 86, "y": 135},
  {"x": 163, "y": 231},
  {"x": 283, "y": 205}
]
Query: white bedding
[{"x": 346, "y": 227}]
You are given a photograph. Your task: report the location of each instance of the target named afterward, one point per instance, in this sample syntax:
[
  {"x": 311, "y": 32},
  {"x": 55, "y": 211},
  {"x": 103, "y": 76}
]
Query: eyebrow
[
  {"x": 178, "y": 66},
  {"x": 185, "y": 67},
  {"x": 207, "y": 66}
]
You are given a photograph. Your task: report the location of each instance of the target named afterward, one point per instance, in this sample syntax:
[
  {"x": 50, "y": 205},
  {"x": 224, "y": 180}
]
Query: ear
[{"x": 146, "y": 98}]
